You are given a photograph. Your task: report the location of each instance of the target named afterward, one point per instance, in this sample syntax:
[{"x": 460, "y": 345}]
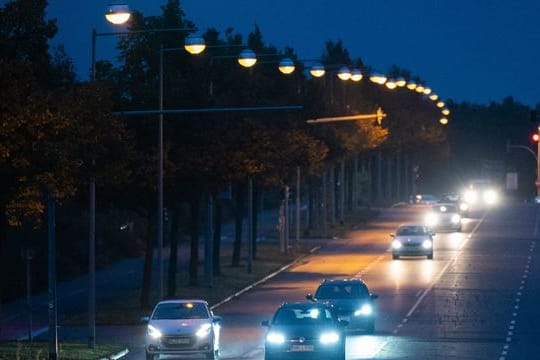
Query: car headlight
[
  {"x": 396, "y": 244},
  {"x": 471, "y": 196},
  {"x": 463, "y": 206},
  {"x": 153, "y": 332},
  {"x": 204, "y": 330},
  {"x": 365, "y": 310},
  {"x": 427, "y": 244},
  {"x": 490, "y": 197},
  {"x": 431, "y": 219},
  {"x": 275, "y": 338},
  {"x": 329, "y": 338},
  {"x": 456, "y": 219}
]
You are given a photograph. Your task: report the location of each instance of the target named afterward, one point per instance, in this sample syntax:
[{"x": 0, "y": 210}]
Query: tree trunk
[
  {"x": 173, "y": 255},
  {"x": 255, "y": 221},
  {"x": 216, "y": 256},
  {"x": 194, "y": 234},
  {"x": 238, "y": 217},
  {"x": 147, "y": 272},
  {"x": 3, "y": 242}
]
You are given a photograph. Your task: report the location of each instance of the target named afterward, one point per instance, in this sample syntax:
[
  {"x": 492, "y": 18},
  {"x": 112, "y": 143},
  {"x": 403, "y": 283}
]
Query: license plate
[
  {"x": 346, "y": 318},
  {"x": 178, "y": 341},
  {"x": 301, "y": 347}
]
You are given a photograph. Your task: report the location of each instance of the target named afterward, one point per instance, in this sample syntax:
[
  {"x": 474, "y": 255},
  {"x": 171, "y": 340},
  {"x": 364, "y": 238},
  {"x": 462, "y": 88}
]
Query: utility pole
[{"x": 51, "y": 235}]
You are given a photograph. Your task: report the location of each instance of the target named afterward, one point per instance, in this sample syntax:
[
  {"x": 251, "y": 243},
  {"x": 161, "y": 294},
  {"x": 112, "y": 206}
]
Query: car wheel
[
  {"x": 430, "y": 256},
  {"x": 395, "y": 256}
]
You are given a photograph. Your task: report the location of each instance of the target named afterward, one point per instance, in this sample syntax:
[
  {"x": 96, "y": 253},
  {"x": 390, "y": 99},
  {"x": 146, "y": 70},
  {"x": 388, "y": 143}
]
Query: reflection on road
[{"x": 364, "y": 346}]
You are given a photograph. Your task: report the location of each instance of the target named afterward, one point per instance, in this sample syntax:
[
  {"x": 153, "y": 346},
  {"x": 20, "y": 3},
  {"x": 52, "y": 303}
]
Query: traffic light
[{"x": 535, "y": 137}]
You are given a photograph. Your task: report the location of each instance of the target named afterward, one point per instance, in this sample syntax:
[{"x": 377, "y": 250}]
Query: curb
[
  {"x": 117, "y": 356},
  {"x": 266, "y": 278}
]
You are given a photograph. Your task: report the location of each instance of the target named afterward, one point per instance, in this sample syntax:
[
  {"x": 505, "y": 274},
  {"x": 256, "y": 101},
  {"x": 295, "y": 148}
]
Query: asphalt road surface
[{"x": 478, "y": 299}]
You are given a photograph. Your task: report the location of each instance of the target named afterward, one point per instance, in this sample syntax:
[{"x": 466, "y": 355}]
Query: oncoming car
[
  {"x": 481, "y": 194},
  {"x": 182, "y": 327},
  {"x": 412, "y": 240},
  {"x": 443, "y": 217},
  {"x": 305, "y": 330}
]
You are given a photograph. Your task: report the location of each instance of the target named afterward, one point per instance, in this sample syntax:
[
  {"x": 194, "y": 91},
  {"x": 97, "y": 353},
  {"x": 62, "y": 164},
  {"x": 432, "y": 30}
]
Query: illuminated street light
[
  {"x": 194, "y": 44},
  {"x": 401, "y": 82},
  {"x": 411, "y": 85},
  {"x": 420, "y": 89},
  {"x": 317, "y": 70},
  {"x": 440, "y": 104},
  {"x": 356, "y": 75},
  {"x": 286, "y": 66},
  {"x": 445, "y": 112},
  {"x": 377, "y": 78},
  {"x": 247, "y": 58},
  {"x": 427, "y": 91},
  {"x": 344, "y": 73},
  {"x": 391, "y": 84},
  {"x": 117, "y": 14},
  {"x": 433, "y": 96},
  {"x": 444, "y": 121}
]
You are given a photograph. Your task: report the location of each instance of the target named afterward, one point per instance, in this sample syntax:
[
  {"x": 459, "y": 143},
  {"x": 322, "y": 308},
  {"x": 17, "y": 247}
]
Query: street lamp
[
  {"x": 117, "y": 14},
  {"x": 286, "y": 66},
  {"x": 247, "y": 58}
]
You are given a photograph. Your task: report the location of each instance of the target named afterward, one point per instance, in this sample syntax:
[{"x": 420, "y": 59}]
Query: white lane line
[
  {"x": 35, "y": 333},
  {"x": 419, "y": 292},
  {"x": 252, "y": 353}
]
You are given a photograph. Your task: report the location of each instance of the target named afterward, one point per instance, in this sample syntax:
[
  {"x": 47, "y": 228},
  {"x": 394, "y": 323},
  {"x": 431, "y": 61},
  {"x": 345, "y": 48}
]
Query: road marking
[{"x": 252, "y": 353}]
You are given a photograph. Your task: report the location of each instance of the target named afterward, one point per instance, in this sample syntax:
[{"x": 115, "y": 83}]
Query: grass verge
[{"x": 22, "y": 350}]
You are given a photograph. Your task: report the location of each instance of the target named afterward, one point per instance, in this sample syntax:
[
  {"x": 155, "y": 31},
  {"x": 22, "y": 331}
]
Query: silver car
[
  {"x": 182, "y": 327},
  {"x": 412, "y": 240},
  {"x": 444, "y": 217}
]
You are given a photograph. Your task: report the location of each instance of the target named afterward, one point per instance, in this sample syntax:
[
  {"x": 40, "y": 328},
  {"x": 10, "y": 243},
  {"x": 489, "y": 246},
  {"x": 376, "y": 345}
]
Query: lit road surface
[{"x": 478, "y": 298}]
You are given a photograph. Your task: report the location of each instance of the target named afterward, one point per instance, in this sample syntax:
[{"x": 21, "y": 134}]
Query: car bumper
[
  {"x": 167, "y": 346},
  {"x": 416, "y": 251},
  {"x": 286, "y": 354}
]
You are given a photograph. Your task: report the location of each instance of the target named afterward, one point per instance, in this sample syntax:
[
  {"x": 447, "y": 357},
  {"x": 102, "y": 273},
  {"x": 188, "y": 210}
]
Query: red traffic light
[{"x": 535, "y": 137}]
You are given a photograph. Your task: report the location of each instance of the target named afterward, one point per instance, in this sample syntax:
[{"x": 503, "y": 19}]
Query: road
[{"x": 478, "y": 298}]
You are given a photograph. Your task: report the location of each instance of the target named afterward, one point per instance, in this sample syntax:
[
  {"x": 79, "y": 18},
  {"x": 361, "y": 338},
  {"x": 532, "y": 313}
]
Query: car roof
[
  {"x": 342, "y": 281},
  {"x": 412, "y": 224},
  {"x": 182, "y": 301},
  {"x": 305, "y": 304}
]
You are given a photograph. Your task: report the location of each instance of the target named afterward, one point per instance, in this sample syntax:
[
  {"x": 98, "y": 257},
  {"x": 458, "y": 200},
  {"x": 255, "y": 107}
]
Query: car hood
[
  {"x": 305, "y": 331},
  {"x": 179, "y": 327},
  {"x": 412, "y": 239}
]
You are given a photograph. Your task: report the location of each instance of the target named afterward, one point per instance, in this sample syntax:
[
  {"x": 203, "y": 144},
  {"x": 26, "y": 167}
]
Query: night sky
[{"x": 466, "y": 50}]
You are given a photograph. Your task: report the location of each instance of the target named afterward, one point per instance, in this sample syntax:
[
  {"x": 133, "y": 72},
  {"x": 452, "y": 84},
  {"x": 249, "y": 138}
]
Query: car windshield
[
  {"x": 341, "y": 291},
  {"x": 444, "y": 209},
  {"x": 412, "y": 230},
  {"x": 303, "y": 316},
  {"x": 173, "y": 311}
]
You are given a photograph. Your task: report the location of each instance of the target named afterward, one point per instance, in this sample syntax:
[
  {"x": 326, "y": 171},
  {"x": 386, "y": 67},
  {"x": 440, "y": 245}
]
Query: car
[
  {"x": 481, "y": 194},
  {"x": 303, "y": 330},
  {"x": 443, "y": 216},
  {"x": 352, "y": 300},
  {"x": 412, "y": 240},
  {"x": 425, "y": 199},
  {"x": 457, "y": 200},
  {"x": 182, "y": 327}
]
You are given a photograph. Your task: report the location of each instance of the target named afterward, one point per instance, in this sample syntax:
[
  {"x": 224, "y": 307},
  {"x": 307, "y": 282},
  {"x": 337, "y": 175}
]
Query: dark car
[
  {"x": 305, "y": 330},
  {"x": 352, "y": 301}
]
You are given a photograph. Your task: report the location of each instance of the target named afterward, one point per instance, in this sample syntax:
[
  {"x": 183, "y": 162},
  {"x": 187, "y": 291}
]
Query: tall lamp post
[{"x": 118, "y": 15}]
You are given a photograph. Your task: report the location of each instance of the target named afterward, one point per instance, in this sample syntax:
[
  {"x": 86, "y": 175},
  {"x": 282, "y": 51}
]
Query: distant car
[
  {"x": 425, "y": 199},
  {"x": 481, "y": 194},
  {"x": 182, "y": 327},
  {"x": 352, "y": 301},
  {"x": 412, "y": 240},
  {"x": 444, "y": 216},
  {"x": 305, "y": 330}
]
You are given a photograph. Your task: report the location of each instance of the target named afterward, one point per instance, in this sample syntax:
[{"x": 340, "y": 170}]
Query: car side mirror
[
  {"x": 217, "y": 319},
  {"x": 392, "y": 235},
  {"x": 343, "y": 323},
  {"x": 265, "y": 323},
  {"x": 309, "y": 297},
  {"x": 374, "y": 296},
  {"x": 145, "y": 319}
]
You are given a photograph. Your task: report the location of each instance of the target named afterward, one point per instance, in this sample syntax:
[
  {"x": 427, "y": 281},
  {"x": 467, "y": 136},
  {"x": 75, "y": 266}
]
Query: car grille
[{"x": 178, "y": 342}]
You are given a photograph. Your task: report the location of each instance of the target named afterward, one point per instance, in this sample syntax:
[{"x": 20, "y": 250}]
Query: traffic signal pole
[{"x": 538, "y": 165}]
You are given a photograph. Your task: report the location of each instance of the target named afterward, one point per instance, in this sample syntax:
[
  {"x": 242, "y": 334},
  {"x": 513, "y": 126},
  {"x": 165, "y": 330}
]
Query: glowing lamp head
[
  {"x": 377, "y": 78},
  {"x": 433, "y": 96},
  {"x": 356, "y": 75},
  {"x": 445, "y": 112},
  {"x": 535, "y": 137},
  {"x": 194, "y": 44},
  {"x": 443, "y": 121},
  {"x": 440, "y": 104},
  {"x": 247, "y": 58},
  {"x": 286, "y": 66},
  {"x": 317, "y": 70},
  {"x": 117, "y": 14},
  {"x": 401, "y": 82},
  {"x": 344, "y": 73},
  {"x": 391, "y": 84},
  {"x": 411, "y": 85},
  {"x": 427, "y": 91}
]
